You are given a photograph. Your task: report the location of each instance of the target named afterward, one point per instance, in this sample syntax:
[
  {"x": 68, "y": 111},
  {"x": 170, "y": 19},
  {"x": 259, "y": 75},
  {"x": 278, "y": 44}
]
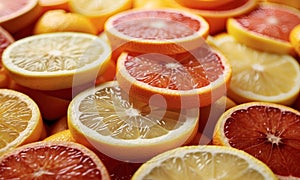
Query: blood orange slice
[
  {"x": 194, "y": 79},
  {"x": 17, "y": 14},
  {"x": 268, "y": 131},
  {"x": 52, "y": 160},
  {"x": 156, "y": 31},
  {"x": 266, "y": 28}
]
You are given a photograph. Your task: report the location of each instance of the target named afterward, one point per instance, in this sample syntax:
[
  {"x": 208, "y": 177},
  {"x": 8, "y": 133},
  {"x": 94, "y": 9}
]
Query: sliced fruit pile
[{"x": 138, "y": 89}]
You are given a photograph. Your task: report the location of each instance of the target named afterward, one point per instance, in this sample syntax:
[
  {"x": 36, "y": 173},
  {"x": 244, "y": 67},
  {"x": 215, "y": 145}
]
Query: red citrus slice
[
  {"x": 189, "y": 80},
  {"x": 17, "y": 14},
  {"x": 204, "y": 4},
  {"x": 156, "y": 31},
  {"x": 52, "y": 160},
  {"x": 270, "y": 132},
  {"x": 218, "y": 16},
  {"x": 5, "y": 40},
  {"x": 266, "y": 28}
]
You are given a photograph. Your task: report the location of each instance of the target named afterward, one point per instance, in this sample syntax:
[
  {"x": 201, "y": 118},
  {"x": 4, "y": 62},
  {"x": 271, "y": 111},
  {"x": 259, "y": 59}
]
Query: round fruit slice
[
  {"x": 204, "y": 4},
  {"x": 156, "y": 31},
  {"x": 52, "y": 160},
  {"x": 189, "y": 80},
  {"x": 218, "y": 16},
  {"x": 17, "y": 14},
  {"x": 99, "y": 11},
  {"x": 5, "y": 40},
  {"x": 268, "y": 131},
  {"x": 204, "y": 162},
  {"x": 48, "y": 5},
  {"x": 266, "y": 28},
  {"x": 20, "y": 121},
  {"x": 103, "y": 118},
  {"x": 295, "y": 38},
  {"x": 259, "y": 76},
  {"x": 55, "y": 61}
]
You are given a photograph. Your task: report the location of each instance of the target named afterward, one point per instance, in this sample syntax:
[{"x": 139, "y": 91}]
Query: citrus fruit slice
[
  {"x": 64, "y": 135},
  {"x": 61, "y": 21},
  {"x": 294, "y": 38},
  {"x": 163, "y": 31},
  {"x": 17, "y": 14},
  {"x": 266, "y": 28},
  {"x": 204, "y": 162},
  {"x": 55, "y": 61},
  {"x": 190, "y": 80},
  {"x": 204, "y": 4},
  {"x": 20, "y": 121},
  {"x": 5, "y": 40},
  {"x": 52, "y": 160},
  {"x": 218, "y": 16},
  {"x": 292, "y": 3},
  {"x": 259, "y": 76},
  {"x": 99, "y": 11},
  {"x": 102, "y": 118},
  {"x": 154, "y": 4},
  {"x": 268, "y": 131}
]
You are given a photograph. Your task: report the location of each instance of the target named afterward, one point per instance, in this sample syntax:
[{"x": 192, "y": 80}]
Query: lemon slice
[
  {"x": 56, "y": 60},
  {"x": 103, "y": 118},
  {"x": 204, "y": 162},
  {"x": 259, "y": 76}
]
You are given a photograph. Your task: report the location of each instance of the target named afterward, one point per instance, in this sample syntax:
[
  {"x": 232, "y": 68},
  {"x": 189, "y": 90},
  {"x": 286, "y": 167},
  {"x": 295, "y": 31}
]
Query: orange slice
[
  {"x": 52, "y": 160},
  {"x": 20, "y": 121},
  {"x": 266, "y": 28},
  {"x": 217, "y": 17},
  {"x": 16, "y": 15},
  {"x": 269, "y": 132},
  {"x": 204, "y": 162},
  {"x": 62, "y": 21},
  {"x": 156, "y": 31},
  {"x": 64, "y": 135},
  {"x": 257, "y": 75},
  {"x": 99, "y": 11},
  {"x": 54, "y": 61},
  {"x": 183, "y": 81},
  {"x": 102, "y": 118},
  {"x": 154, "y": 4},
  {"x": 204, "y": 4},
  {"x": 294, "y": 38}
]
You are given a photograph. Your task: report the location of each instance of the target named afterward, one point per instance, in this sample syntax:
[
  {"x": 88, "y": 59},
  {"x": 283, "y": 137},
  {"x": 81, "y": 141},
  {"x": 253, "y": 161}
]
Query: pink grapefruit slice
[{"x": 163, "y": 31}]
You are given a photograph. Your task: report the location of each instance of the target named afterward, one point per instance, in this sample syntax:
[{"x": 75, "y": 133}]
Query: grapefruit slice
[
  {"x": 204, "y": 162},
  {"x": 266, "y": 28},
  {"x": 103, "y": 119},
  {"x": 218, "y": 16},
  {"x": 5, "y": 40},
  {"x": 195, "y": 79},
  {"x": 17, "y": 14},
  {"x": 52, "y": 160},
  {"x": 156, "y": 31},
  {"x": 54, "y": 61},
  {"x": 204, "y": 4},
  {"x": 268, "y": 131}
]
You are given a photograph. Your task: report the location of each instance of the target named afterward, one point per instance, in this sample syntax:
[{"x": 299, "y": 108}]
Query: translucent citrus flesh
[
  {"x": 175, "y": 73},
  {"x": 13, "y": 110},
  {"x": 121, "y": 121},
  {"x": 259, "y": 75},
  {"x": 269, "y": 133},
  {"x": 156, "y": 25},
  {"x": 9, "y": 7},
  {"x": 200, "y": 163},
  {"x": 274, "y": 22},
  {"x": 50, "y": 161}
]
